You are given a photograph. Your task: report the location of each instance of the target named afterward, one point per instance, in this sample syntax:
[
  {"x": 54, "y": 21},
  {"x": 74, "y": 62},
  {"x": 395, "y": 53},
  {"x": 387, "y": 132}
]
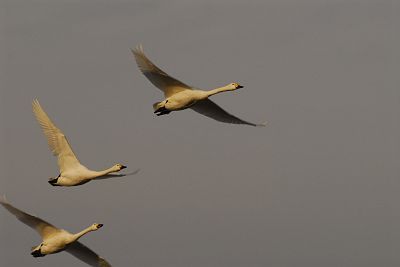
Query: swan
[
  {"x": 56, "y": 240},
  {"x": 72, "y": 172},
  {"x": 179, "y": 96}
]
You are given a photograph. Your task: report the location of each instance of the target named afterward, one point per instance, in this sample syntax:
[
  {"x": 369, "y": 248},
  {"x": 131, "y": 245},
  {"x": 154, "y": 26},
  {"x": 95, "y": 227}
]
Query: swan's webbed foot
[
  {"x": 37, "y": 253},
  {"x": 53, "y": 181},
  {"x": 162, "y": 111}
]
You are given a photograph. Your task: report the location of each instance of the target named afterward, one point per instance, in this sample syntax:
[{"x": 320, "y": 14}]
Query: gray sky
[{"x": 318, "y": 187}]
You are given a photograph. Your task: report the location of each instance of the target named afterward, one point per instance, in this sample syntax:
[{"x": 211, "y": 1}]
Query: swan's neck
[
  {"x": 105, "y": 172},
  {"x": 82, "y": 233},
  {"x": 218, "y": 90}
]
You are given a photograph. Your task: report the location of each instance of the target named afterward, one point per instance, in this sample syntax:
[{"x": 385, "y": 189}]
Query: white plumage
[
  {"x": 56, "y": 240},
  {"x": 72, "y": 172},
  {"x": 179, "y": 95}
]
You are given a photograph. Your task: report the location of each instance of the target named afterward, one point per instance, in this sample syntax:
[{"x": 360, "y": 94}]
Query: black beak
[
  {"x": 100, "y": 225},
  {"x": 123, "y": 167},
  {"x": 239, "y": 87}
]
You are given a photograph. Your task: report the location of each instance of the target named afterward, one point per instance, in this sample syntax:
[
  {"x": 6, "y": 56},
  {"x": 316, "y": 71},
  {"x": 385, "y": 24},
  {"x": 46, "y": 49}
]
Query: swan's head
[
  {"x": 234, "y": 86},
  {"x": 96, "y": 226},
  {"x": 119, "y": 167}
]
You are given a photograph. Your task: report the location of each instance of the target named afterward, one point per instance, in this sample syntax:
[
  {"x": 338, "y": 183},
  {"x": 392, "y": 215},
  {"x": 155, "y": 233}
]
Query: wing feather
[
  {"x": 44, "y": 228},
  {"x": 210, "y": 109},
  {"x": 86, "y": 255},
  {"x": 57, "y": 141},
  {"x": 156, "y": 76}
]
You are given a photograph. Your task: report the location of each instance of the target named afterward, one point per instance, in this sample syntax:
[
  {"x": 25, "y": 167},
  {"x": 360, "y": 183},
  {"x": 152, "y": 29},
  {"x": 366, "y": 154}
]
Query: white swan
[
  {"x": 56, "y": 239},
  {"x": 181, "y": 96},
  {"x": 72, "y": 172}
]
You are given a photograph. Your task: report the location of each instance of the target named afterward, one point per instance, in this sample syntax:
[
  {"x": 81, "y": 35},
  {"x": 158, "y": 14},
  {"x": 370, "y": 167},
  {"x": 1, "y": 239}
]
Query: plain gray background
[{"x": 319, "y": 186}]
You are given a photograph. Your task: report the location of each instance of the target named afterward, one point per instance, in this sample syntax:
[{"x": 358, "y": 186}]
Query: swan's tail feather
[{"x": 157, "y": 106}]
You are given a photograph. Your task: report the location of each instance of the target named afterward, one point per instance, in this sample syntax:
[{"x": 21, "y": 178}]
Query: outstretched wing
[
  {"x": 58, "y": 142},
  {"x": 44, "y": 228},
  {"x": 86, "y": 255},
  {"x": 158, "y": 77},
  {"x": 210, "y": 109}
]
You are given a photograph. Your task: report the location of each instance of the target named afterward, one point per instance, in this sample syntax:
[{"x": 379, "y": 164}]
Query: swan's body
[
  {"x": 72, "y": 172},
  {"x": 56, "y": 240},
  {"x": 81, "y": 175},
  {"x": 180, "y": 96},
  {"x": 182, "y": 100}
]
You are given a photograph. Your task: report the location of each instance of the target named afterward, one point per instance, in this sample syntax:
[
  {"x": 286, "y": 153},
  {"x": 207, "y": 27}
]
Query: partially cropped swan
[
  {"x": 56, "y": 239},
  {"x": 180, "y": 96},
  {"x": 72, "y": 172}
]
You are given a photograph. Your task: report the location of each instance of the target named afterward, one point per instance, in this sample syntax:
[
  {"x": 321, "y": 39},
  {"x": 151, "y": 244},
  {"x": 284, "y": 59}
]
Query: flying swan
[
  {"x": 180, "y": 96},
  {"x": 56, "y": 240},
  {"x": 72, "y": 172}
]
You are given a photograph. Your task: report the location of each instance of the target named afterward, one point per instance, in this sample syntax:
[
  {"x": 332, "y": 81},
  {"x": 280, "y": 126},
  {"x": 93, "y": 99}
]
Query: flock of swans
[{"x": 178, "y": 96}]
